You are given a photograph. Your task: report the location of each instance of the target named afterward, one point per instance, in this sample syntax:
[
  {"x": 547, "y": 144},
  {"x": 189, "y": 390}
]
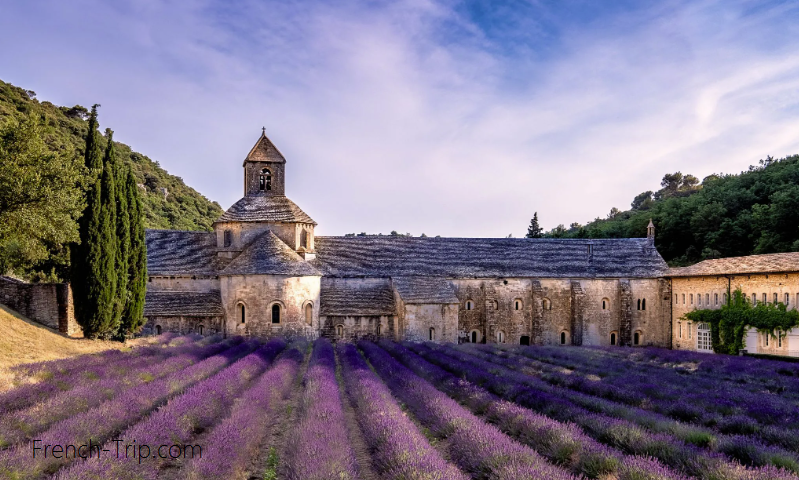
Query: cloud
[{"x": 426, "y": 116}]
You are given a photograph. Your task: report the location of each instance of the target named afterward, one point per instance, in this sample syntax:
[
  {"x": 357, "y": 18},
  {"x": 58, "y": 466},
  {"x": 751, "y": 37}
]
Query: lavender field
[{"x": 214, "y": 408}]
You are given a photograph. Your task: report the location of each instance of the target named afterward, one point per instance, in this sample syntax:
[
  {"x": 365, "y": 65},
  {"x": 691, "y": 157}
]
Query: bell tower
[{"x": 264, "y": 169}]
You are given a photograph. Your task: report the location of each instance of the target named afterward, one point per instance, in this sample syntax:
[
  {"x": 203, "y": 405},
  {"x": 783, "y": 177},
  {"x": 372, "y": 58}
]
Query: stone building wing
[
  {"x": 262, "y": 208},
  {"x": 268, "y": 255},
  {"x": 183, "y": 304},
  {"x": 340, "y": 297},
  {"x": 425, "y": 290},
  {"x": 176, "y": 252},
  {"x": 768, "y": 263},
  {"x": 265, "y": 151},
  {"x": 397, "y": 256}
]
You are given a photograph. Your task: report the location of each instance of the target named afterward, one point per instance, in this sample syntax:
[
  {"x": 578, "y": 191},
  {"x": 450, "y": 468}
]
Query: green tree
[
  {"x": 40, "y": 195},
  {"x": 132, "y": 318},
  {"x": 534, "y": 230},
  {"x": 122, "y": 225},
  {"x": 105, "y": 274}
]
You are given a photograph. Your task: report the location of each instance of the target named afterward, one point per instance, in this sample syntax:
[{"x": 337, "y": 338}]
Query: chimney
[{"x": 650, "y": 233}]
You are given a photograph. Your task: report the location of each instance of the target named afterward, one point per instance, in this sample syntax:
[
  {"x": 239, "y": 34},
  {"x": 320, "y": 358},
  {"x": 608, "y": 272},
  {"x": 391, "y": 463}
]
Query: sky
[{"x": 439, "y": 117}]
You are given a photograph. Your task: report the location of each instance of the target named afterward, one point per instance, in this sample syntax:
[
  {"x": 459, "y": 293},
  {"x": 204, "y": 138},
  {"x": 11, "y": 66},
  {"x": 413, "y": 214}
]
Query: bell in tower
[{"x": 264, "y": 169}]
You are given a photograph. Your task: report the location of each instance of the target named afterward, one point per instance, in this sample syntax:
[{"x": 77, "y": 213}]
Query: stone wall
[
  {"x": 183, "y": 284},
  {"x": 258, "y": 293},
  {"x": 47, "y": 303},
  {"x": 358, "y": 327},
  {"x": 702, "y": 292},
  {"x": 184, "y": 325}
]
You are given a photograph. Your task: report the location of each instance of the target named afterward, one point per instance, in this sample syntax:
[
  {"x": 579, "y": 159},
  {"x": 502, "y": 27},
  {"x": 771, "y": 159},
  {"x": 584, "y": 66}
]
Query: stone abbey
[{"x": 262, "y": 272}]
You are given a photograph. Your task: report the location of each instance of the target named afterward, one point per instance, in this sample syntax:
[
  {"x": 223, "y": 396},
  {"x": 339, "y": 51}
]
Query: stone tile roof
[
  {"x": 185, "y": 304},
  {"x": 177, "y": 252},
  {"x": 768, "y": 263},
  {"x": 265, "y": 151},
  {"x": 425, "y": 290},
  {"x": 342, "y": 297},
  {"x": 268, "y": 255},
  {"x": 487, "y": 257},
  {"x": 265, "y": 208}
]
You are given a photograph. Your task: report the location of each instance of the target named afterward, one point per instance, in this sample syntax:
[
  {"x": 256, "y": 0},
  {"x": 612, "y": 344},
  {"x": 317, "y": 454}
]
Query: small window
[
  {"x": 716, "y": 298},
  {"x": 276, "y": 313},
  {"x": 779, "y": 338},
  {"x": 309, "y": 314},
  {"x": 707, "y": 299},
  {"x": 494, "y": 304},
  {"x": 500, "y": 337},
  {"x": 200, "y": 329},
  {"x": 689, "y": 330},
  {"x": 675, "y": 299},
  {"x": 643, "y": 304},
  {"x": 775, "y": 299},
  {"x": 765, "y": 338},
  {"x": 683, "y": 299},
  {"x": 754, "y": 299},
  {"x": 765, "y": 299},
  {"x": 724, "y": 298},
  {"x": 524, "y": 340},
  {"x": 432, "y": 334},
  {"x": 613, "y": 339},
  {"x": 699, "y": 299},
  {"x": 691, "y": 296},
  {"x": 563, "y": 338},
  {"x": 469, "y": 305},
  {"x": 379, "y": 329},
  {"x": 679, "y": 329},
  {"x": 158, "y": 329},
  {"x": 228, "y": 238},
  {"x": 605, "y": 303},
  {"x": 474, "y": 336},
  {"x": 340, "y": 331},
  {"x": 517, "y": 304},
  {"x": 637, "y": 338},
  {"x": 546, "y": 304},
  {"x": 639, "y": 304},
  {"x": 242, "y": 313},
  {"x": 787, "y": 299},
  {"x": 265, "y": 180}
]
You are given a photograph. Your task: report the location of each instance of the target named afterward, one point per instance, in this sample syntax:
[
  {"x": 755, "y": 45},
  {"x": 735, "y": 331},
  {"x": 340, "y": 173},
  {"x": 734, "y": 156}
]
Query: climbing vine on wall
[{"x": 728, "y": 325}]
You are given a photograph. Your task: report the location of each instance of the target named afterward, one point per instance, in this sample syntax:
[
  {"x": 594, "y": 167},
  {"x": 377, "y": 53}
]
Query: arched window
[
  {"x": 779, "y": 338},
  {"x": 787, "y": 299},
  {"x": 765, "y": 339},
  {"x": 276, "y": 313},
  {"x": 500, "y": 337},
  {"x": 707, "y": 299},
  {"x": 494, "y": 304},
  {"x": 200, "y": 329},
  {"x": 379, "y": 329},
  {"x": 517, "y": 304},
  {"x": 524, "y": 340},
  {"x": 775, "y": 299},
  {"x": 474, "y": 336},
  {"x": 613, "y": 338},
  {"x": 690, "y": 330},
  {"x": 679, "y": 329},
  {"x": 605, "y": 303},
  {"x": 469, "y": 305},
  {"x": 265, "y": 180},
  {"x": 309, "y": 314},
  {"x": 242, "y": 313},
  {"x": 158, "y": 329},
  {"x": 683, "y": 299},
  {"x": 340, "y": 331},
  {"x": 643, "y": 304},
  {"x": 724, "y": 298},
  {"x": 563, "y": 337},
  {"x": 639, "y": 304},
  {"x": 675, "y": 299},
  {"x": 637, "y": 338},
  {"x": 691, "y": 297},
  {"x": 699, "y": 299},
  {"x": 432, "y": 334},
  {"x": 546, "y": 304},
  {"x": 715, "y": 298},
  {"x": 754, "y": 299}
]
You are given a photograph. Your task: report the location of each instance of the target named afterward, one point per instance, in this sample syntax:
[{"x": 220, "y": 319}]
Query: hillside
[
  {"x": 168, "y": 202},
  {"x": 183, "y": 208},
  {"x": 753, "y": 212}
]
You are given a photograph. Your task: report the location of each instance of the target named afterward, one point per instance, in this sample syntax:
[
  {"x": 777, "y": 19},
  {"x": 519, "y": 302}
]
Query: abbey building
[{"x": 263, "y": 272}]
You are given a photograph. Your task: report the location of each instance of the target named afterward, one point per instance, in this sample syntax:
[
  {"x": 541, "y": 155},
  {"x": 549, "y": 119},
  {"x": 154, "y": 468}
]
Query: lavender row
[
  {"x": 562, "y": 443},
  {"x": 100, "y": 424},
  {"x": 399, "y": 450},
  {"x": 22, "y": 425},
  {"x": 53, "y": 379},
  {"x": 177, "y": 422},
  {"x": 237, "y": 439},
  {"x": 727, "y": 423},
  {"x": 711, "y": 401},
  {"x": 623, "y": 434},
  {"x": 318, "y": 445},
  {"x": 480, "y": 449}
]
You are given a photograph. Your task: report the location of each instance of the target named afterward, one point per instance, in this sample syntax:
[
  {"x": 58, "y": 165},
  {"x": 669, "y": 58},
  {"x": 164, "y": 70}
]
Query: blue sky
[{"x": 442, "y": 117}]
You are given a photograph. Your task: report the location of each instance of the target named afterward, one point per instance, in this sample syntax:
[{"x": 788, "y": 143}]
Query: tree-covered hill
[
  {"x": 40, "y": 252},
  {"x": 756, "y": 211},
  {"x": 182, "y": 208}
]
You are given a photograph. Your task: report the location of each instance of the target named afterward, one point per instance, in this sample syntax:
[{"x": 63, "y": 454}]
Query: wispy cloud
[{"x": 423, "y": 116}]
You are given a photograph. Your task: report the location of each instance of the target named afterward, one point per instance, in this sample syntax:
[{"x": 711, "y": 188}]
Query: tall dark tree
[
  {"x": 132, "y": 319},
  {"x": 534, "y": 230},
  {"x": 84, "y": 256},
  {"x": 122, "y": 233},
  {"x": 106, "y": 275}
]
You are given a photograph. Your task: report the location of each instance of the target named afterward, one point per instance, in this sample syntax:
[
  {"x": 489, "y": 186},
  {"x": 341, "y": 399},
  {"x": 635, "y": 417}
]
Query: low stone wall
[{"x": 47, "y": 303}]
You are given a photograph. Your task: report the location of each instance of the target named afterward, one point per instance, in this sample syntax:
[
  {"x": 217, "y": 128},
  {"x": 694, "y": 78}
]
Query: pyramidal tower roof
[{"x": 264, "y": 151}]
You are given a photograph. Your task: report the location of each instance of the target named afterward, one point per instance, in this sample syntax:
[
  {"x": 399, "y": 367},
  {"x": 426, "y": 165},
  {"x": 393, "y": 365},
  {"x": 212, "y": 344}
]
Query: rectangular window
[
  {"x": 716, "y": 298},
  {"x": 699, "y": 299},
  {"x": 775, "y": 299},
  {"x": 675, "y": 299},
  {"x": 787, "y": 299},
  {"x": 765, "y": 299},
  {"x": 692, "y": 298},
  {"x": 707, "y": 299},
  {"x": 679, "y": 326},
  {"x": 227, "y": 238},
  {"x": 683, "y": 298},
  {"x": 779, "y": 339},
  {"x": 754, "y": 299},
  {"x": 689, "y": 329},
  {"x": 765, "y": 339}
]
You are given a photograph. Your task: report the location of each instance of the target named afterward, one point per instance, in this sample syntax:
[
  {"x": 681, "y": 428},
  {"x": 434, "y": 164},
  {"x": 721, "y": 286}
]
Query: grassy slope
[
  {"x": 183, "y": 209},
  {"x": 25, "y": 341}
]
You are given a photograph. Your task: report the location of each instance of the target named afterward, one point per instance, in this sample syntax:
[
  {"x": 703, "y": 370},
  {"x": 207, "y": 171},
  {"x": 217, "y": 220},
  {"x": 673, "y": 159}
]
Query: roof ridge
[{"x": 265, "y": 145}]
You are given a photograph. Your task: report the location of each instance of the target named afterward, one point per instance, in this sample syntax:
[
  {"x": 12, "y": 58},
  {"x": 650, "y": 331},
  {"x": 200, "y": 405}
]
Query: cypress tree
[
  {"x": 105, "y": 275},
  {"x": 534, "y": 230},
  {"x": 84, "y": 289},
  {"x": 132, "y": 319},
  {"x": 122, "y": 240}
]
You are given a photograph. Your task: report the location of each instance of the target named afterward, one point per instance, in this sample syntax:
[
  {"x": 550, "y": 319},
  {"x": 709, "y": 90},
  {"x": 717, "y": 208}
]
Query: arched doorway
[
  {"x": 525, "y": 340},
  {"x": 158, "y": 329}
]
